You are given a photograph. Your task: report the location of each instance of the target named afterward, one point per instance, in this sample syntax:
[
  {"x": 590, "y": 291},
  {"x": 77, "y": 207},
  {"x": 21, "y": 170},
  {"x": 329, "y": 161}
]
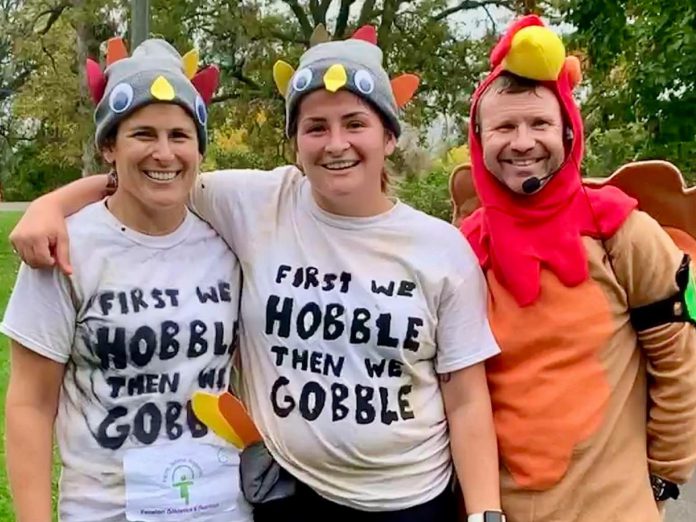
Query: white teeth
[
  {"x": 338, "y": 165},
  {"x": 523, "y": 163},
  {"x": 161, "y": 175}
]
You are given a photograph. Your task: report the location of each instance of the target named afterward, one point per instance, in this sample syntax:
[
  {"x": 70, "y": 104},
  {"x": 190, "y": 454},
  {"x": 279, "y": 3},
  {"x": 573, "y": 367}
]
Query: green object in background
[{"x": 690, "y": 297}]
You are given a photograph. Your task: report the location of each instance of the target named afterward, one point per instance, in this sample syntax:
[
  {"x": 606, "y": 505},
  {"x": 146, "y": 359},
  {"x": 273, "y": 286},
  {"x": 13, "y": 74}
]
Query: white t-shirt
[
  {"x": 345, "y": 323},
  {"x": 143, "y": 323}
]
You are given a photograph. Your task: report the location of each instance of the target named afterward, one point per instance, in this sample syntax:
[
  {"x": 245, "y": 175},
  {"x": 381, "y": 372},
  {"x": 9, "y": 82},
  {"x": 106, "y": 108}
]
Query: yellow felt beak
[
  {"x": 536, "y": 53},
  {"x": 161, "y": 89},
  {"x": 282, "y": 72},
  {"x": 335, "y": 77}
]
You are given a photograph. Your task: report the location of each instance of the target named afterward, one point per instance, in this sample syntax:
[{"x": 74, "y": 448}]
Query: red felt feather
[
  {"x": 96, "y": 81},
  {"x": 206, "y": 82},
  {"x": 368, "y": 33}
]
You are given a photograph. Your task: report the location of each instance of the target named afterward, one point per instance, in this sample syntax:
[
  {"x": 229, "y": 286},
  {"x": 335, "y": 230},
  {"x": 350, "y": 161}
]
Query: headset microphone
[{"x": 531, "y": 185}]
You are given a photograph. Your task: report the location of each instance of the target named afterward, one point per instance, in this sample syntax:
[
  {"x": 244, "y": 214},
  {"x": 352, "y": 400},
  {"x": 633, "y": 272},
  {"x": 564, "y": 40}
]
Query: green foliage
[
  {"x": 608, "y": 149},
  {"x": 641, "y": 76},
  {"x": 30, "y": 175},
  {"x": 449, "y": 66},
  {"x": 638, "y": 99},
  {"x": 428, "y": 192}
]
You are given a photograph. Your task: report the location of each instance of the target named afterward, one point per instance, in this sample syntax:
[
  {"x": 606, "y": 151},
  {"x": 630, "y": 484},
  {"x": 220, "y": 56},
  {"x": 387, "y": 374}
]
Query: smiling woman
[
  {"x": 341, "y": 147},
  {"x": 155, "y": 155},
  {"x": 111, "y": 355}
]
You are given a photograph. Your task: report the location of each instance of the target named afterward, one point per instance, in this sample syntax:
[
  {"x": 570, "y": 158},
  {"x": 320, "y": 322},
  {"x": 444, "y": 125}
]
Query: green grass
[
  {"x": 9, "y": 264},
  {"x": 8, "y": 271}
]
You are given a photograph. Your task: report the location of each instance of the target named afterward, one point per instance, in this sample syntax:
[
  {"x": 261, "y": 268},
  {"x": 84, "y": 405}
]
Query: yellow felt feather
[
  {"x": 207, "y": 408},
  {"x": 536, "y": 53},
  {"x": 282, "y": 72},
  {"x": 190, "y": 61}
]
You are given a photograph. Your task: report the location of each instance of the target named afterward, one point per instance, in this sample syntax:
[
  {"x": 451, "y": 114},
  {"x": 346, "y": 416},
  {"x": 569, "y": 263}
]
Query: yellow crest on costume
[
  {"x": 161, "y": 89},
  {"x": 335, "y": 77},
  {"x": 536, "y": 53},
  {"x": 190, "y": 61},
  {"x": 282, "y": 72}
]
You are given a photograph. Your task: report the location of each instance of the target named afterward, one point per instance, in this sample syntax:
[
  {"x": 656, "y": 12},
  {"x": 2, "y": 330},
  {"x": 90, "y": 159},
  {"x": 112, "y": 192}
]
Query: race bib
[{"x": 184, "y": 481}]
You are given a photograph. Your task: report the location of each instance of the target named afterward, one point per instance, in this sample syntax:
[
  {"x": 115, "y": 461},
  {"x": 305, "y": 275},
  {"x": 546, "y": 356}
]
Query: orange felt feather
[
  {"x": 236, "y": 415},
  {"x": 115, "y": 50},
  {"x": 404, "y": 87},
  {"x": 572, "y": 65}
]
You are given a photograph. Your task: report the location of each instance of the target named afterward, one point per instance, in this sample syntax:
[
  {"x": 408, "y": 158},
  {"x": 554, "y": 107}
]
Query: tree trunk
[{"x": 85, "y": 43}]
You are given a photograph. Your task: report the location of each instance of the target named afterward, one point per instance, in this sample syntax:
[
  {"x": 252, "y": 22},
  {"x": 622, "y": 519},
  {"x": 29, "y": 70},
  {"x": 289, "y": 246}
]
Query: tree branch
[
  {"x": 366, "y": 13},
  {"x": 238, "y": 73},
  {"x": 490, "y": 17},
  {"x": 50, "y": 57},
  {"x": 471, "y": 4},
  {"x": 223, "y": 97},
  {"x": 53, "y": 16},
  {"x": 284, "y": 37},
  {"x": 323, "y": 9},
  {"x": 388, "y": 15},
  {"x": 318, "y": 9},
  {"x": 233, "y": 96},
  {"x": 301, "y": 16},
  {"x": 342, "y": 19},
  {"x": 314, "y": 11}
]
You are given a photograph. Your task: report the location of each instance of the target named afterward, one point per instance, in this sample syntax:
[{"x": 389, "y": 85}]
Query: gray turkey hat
[
  {"x": 154, "y": 73},
  {"x": 354, "y": 65}
]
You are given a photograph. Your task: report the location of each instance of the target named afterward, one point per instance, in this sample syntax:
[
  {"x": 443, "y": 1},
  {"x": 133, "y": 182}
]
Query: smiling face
[
  {"x": 521, "y": 135},
  {"x": 156, "y": 156},
  {"x": 342, "y": 145}
]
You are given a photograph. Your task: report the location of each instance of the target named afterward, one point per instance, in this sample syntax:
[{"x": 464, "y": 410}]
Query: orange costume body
[{"x": 586, "y": 406}]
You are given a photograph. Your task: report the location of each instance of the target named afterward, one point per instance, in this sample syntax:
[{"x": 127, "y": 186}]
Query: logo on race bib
[
  {"x": 182, "y": 479},
  {"x": 181, "y": 475}
]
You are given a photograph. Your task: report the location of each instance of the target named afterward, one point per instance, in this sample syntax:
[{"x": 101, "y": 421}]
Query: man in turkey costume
[{"x": 590, "y": 300}]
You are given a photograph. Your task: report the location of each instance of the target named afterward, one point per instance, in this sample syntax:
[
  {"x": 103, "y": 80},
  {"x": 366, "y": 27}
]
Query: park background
[{"x": 638, "y": 95}]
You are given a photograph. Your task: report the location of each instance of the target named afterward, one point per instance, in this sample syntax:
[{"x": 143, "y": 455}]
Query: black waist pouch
[{"x": 262, "y": 479}]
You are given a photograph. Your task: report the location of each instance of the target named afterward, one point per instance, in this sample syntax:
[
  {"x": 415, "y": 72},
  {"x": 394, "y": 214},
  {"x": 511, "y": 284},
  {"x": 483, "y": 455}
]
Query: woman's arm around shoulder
[
  {"x": 235, "y": 201},
  {"x": 41, "y": 238}
]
